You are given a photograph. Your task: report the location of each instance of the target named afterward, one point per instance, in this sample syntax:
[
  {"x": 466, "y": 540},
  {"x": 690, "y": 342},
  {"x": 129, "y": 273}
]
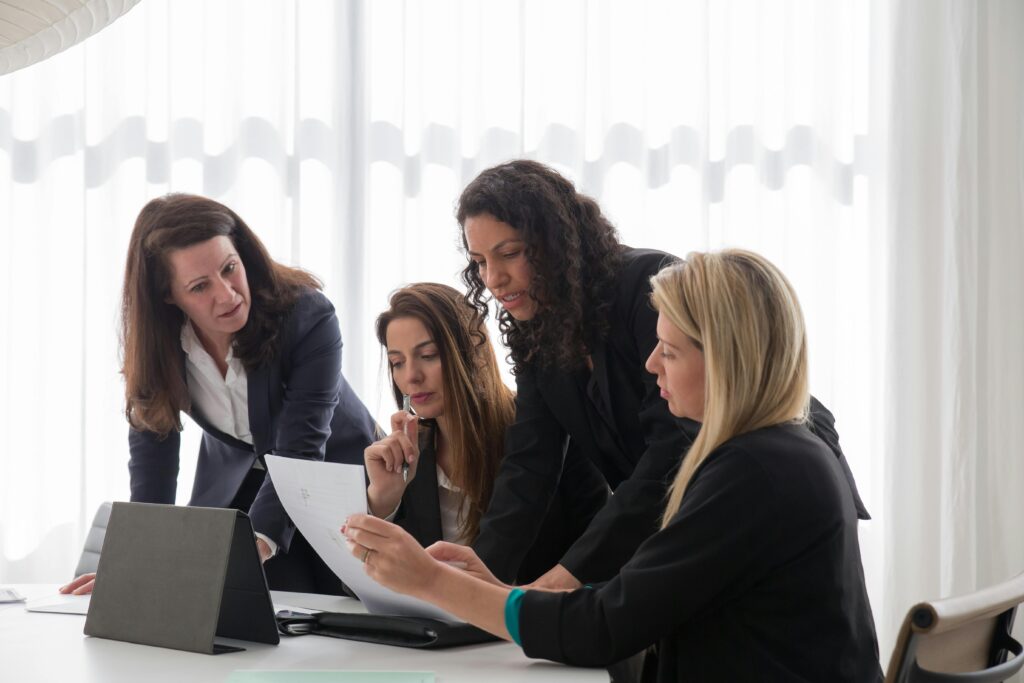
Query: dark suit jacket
[
  {"x": 758, "y": 577},
  {"x": 300, "y": 406},
  {"x": 570, "y": 512},
  {"x": 629, "y": 434}
]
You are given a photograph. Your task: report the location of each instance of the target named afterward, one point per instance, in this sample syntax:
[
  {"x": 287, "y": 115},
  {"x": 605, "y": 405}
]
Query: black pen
[{"x": 407, "y": 407}]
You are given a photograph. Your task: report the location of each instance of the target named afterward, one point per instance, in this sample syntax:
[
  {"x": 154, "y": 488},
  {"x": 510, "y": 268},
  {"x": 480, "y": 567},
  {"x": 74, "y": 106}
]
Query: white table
[{"x": 51, "y": 647}]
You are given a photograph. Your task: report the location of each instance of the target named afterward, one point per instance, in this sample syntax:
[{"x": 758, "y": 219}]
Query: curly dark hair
[{"x": 574, "y": 252}]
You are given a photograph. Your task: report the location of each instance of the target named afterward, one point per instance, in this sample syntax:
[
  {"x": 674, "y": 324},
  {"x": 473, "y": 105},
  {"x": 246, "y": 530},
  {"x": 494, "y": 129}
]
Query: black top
[
  {"x": 613, "y": 416},
  {"x": 757, "y": 577},
  {"x": 571, "y": 509}
]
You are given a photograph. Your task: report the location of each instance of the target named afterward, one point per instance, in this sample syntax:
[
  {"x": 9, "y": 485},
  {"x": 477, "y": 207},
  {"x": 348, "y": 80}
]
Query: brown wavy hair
[
  {"x": 152, "y": 364},
  {"x": 478, "y": 404},
  {"x": 574, "y": 252}
]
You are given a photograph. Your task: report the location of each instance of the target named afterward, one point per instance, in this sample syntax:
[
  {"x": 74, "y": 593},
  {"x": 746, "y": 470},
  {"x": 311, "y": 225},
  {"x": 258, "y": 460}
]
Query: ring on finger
[{"x": 365, "y": 555}]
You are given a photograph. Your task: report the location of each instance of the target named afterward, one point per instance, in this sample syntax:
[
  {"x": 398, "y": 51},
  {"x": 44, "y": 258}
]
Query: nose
[
  {"x": 652, "y": 364},
  {"x": 408, "y": 377},
  {"x": 494, "y": 276},
  {"x": 224, "y": 291}
]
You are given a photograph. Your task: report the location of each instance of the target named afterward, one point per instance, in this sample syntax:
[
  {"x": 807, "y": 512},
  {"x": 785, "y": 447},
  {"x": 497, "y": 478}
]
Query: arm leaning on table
[
  {"x": 786, "y": 573},
  {"x": 394, "y": 559}
]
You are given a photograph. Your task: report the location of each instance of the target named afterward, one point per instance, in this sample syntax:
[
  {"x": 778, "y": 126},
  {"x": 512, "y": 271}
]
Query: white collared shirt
[
  {"x": 223, "y": 401},
  {"x": 452, "y": 502}
]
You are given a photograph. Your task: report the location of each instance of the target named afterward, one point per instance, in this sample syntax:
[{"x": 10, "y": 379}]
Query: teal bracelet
[{"x": 512, "y": 606}]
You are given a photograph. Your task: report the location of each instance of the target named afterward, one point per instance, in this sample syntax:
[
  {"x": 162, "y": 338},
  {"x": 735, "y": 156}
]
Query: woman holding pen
[
  {"x": 574, "y": 310},
  {"x": 754, "y": 572},
  {"x": 434, "y": 474}
]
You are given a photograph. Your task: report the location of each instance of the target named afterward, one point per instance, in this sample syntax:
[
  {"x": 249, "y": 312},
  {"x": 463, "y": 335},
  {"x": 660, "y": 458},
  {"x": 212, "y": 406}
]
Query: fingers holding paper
[
  {"x": 391, "y": 556},
  {"x": 464, "y": 558}
]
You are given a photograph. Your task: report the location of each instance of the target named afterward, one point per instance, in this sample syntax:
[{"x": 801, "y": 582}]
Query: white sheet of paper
[
  {"x": 318, "y": 496},
  {"x": 60, "y": 603}
]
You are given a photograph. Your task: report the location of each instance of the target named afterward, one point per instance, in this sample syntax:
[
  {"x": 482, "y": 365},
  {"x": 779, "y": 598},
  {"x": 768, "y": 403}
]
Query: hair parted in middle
[
  {"x": 744, "y": 315},
  {"x": 477, "y": 403},
  {"x": 152, "y": 363},
  {"x": 574, "y": 252}
]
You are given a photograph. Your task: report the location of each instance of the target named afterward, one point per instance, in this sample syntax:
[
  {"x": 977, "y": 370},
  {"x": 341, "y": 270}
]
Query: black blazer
[
  {"x": 640, "y": 441},
  {"x": 300, "y": 406},
  {"x": 758, "y": 577},
  {"x": 571, "y": 510}
]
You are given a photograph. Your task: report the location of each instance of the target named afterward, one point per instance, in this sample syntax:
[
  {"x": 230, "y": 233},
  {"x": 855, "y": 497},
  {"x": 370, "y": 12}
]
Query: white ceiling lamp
[{"x": 32, "y": 30}]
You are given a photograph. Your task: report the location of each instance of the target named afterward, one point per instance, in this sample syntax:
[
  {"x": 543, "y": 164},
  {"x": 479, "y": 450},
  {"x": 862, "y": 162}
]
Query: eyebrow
[
  {"x": 667, "y": 343},
  {"x": 224, "y": 263},
  {"x": 499, "y": 245},
  {"x": 392, "y": 352}
]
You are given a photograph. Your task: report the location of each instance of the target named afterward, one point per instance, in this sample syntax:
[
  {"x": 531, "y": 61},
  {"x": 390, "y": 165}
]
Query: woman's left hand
[
  {"x": 390, "y": 556},
  {"x": 263, "y": 548}
]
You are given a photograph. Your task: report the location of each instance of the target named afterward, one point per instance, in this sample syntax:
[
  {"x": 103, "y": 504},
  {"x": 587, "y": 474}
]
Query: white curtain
[
  {"x": 873, "y": 150},
  {"x": 952, "y": 470}
]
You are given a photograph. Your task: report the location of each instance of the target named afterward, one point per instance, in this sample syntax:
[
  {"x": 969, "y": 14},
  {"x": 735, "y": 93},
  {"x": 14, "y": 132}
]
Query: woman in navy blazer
[{"x": 250, "y": 349}]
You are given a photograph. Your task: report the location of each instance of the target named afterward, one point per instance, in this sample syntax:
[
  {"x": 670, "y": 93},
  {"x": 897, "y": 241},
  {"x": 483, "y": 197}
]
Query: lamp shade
[{"x": 32, "y": 30}]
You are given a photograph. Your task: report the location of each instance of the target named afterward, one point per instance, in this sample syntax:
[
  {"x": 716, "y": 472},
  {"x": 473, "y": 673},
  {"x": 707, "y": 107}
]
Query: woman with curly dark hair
[{"x": 574, "y": 309}]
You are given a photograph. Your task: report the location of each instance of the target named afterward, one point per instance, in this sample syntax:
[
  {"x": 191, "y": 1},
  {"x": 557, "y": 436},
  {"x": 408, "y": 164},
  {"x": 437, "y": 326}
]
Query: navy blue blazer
[{"x": 300, "y": 406}]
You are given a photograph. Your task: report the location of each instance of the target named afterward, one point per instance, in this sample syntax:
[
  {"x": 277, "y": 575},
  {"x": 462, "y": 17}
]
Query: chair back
[
  {"x": 94, "y": 541},
  {"x": 963, "y": 639}
]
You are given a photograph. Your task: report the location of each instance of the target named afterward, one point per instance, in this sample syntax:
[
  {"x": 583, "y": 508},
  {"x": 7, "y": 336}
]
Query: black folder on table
[
  {"x": 418, "y": 632},
  {"x": 178, "y": 577}
]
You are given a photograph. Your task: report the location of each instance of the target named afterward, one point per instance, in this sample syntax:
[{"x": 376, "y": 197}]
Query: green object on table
[{"x": 331, "y": 677}]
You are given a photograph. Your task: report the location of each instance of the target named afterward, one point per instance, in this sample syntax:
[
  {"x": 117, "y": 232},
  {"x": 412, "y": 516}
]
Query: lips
[
  {"x": 233, "y": 311},
  {"x": 512, "y": 300},
  {"x": 421, "y": 397}
]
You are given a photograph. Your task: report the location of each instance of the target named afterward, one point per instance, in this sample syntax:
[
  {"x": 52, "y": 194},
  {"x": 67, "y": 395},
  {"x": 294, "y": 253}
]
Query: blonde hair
[{"x": 744, "y": 314}]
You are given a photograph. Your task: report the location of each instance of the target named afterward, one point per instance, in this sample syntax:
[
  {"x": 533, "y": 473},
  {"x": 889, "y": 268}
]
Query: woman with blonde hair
[{"x": 755, "y": 573}]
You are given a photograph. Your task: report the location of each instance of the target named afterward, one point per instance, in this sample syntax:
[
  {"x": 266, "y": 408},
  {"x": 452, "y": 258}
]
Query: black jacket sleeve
[
  {"x": 634, "y": 511},
  {"x": 535, "y": 445}
]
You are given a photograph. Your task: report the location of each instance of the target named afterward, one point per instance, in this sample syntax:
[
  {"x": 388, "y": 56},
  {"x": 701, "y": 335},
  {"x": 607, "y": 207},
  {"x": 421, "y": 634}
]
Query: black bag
[{"x": 419, "y": 632}]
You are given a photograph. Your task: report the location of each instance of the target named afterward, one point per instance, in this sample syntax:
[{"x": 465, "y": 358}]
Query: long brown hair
[
  {"x": 152, "y": 365},
  {"x": 478, "y": 404},
  {"x": 574, "y": 251}
]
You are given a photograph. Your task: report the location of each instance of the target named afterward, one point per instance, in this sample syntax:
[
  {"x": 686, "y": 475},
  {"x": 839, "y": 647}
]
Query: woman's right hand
[
  {"x": 384, "y": 460},
  {"x": 464, "y": 558},
  {"x": 80, "y": 586}
]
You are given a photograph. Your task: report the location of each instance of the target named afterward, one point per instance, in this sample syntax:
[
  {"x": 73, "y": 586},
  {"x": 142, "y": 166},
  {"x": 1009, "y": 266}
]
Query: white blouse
[{"x": 223, "y": 401}]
